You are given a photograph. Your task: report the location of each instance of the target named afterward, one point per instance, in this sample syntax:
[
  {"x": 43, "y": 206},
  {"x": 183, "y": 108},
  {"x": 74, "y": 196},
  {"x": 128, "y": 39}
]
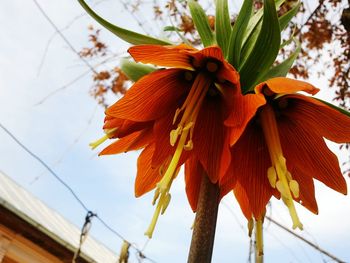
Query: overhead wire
[{"x": 140, "y": 253}]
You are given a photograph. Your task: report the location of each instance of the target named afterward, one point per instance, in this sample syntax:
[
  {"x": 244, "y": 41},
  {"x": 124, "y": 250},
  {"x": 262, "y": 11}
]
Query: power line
[
  {"x": 63, "y": 36},
  {"x": 76, "y": 197}
]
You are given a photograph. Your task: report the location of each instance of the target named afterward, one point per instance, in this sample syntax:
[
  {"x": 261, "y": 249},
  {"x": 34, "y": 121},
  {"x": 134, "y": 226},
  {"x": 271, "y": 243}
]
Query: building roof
[{"x": 30, "y": 209}]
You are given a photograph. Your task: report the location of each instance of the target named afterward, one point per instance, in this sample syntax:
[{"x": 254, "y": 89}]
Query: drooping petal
[
  {"x": 306, "y": 149},
  {"x": 151, "y": 97},
  {"x": 243, "y": 110},
  {"x": 124, "y": 127},
  {"x": 134, "y": 141},
  {"x": 322, "y": 119},
  {"x": 243, "y": 201},
  {"x": 193, "y": 178},
  {"x": 306, "y": 188},
  {"x": 210, "y": 139},
  {"x": 165, "y": 56},
  {"x": 282, "y": 85},
  {"x": 250, "y": 161},
  {"x": 147, "y": 176}
]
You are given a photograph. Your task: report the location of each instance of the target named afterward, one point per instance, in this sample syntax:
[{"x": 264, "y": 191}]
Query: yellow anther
[
  {"x": 174, "y": 134},
  {"x": 212, "y": 67},
  {"x": 167, "y": 199},
  {"x": 188, "y": 75},
  {"x": 188, "y": 146},
  {"x": 156, "y": 196},
  {"x": 250, "y": 227},
  {"x": 294, "y": 188},
  {"x": 272, "y": 176}
]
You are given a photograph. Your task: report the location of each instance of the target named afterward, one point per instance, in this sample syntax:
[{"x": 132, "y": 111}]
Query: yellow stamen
[
  {"x": 104, "y": 138},
  {"x": 190, "y": 108},
  {"x": 285, "y": 183},
  {"x": 259, "y": 240}
]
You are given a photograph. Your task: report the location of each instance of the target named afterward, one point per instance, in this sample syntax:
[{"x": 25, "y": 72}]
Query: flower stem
[{"x": 205, "y": 223}]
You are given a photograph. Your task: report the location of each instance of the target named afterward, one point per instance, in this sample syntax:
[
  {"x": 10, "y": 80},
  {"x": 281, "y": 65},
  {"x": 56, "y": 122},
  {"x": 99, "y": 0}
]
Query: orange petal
[
  {"x": 210, "y": 140},
  {"x": 131, "y": 142},
  {"x": 151, "y": 96},
  {"x": 322, "y": 119},
  {"x": 285, "y": 85},
  {"x": 306, "y": 149},
  {"x": 243, "y": 201},
  {"x": 244, "y": 109},
  {"x": 164, "y": 150},
  {"x": 147, "y": 176},
  {"x": 250, "y": 161},
  {"x": 306, "y": 189},
  {"x": 166, "y": 56},
  {"x": 193, "y": 178}
]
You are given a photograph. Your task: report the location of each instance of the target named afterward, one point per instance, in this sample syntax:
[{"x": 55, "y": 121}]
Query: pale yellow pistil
[
  {"x": 259, "y": 240},
  {"x": 180, "y": 135},
  {"x": 98, "y": 142},
  {"x": 278, "y": 175}
]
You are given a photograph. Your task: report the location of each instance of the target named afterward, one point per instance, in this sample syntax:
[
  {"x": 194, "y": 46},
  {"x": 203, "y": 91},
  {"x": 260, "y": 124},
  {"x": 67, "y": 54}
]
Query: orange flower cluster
[{"x": 267, "y": 143}]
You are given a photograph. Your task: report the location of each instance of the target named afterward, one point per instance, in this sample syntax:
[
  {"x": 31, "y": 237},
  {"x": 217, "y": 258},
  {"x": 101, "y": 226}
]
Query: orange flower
[
  {"x": 180, "y": 114},
  {"x": 283, "y": 149}
]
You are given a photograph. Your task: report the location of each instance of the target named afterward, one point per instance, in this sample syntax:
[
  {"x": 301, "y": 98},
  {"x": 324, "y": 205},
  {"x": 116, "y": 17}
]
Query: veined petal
[
  {"x": 282, "y": 85},
  {"x": 151, "y": 97},
  {"x": 166, "y": 56},
  {"x": 244, "y": 109},
  {"x": 133, "y": 141},
  {"x": 163, "y": 149},
  {"x": 124, "y": 127},
  {"x": 306, "y": 149},
  {"x": 210, "y": 139},
  {"x": 322, "y": 119},
  {"x": 306, "y": 188},
  {"x": 243, "y": 201},
  {"x": 147, "y": 176},
  {"x": 193, "y": 178},
  {"x": 250, "y": 161}
]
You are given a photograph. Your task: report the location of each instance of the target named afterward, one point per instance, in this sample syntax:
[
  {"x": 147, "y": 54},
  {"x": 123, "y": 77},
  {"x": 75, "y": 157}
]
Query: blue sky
[{"x": 60, "y": 129}]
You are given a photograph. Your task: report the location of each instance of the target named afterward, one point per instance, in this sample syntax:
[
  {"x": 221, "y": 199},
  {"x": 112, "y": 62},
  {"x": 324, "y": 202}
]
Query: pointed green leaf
[
  {"x": 281, "y": 70},
  {"x": 238, "y": 32},
  {"x": 256, "y": 19},
  {"x": 265, "y": 49},
  {"x": 345, "y": 112},
  {"x": 253, "y": 31},
  {"x": 201, "y": 22},
  {"x": 127, "y": 35},
  {"x": 135, "y": 71},
  {"x": 222, "y": 25},
  {"x": 287, "y": 17}
]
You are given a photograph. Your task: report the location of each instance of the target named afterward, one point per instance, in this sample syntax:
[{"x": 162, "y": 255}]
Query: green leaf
[
  {"x": 345, "y": 112},
  {"x": 281, "y": 70},
  {"x": 265, "y": 49},
  {"x": 287, "y": 17},
  {"x": 127, "y": 35},
  {"x": 135, "y": 71},
  {"x": 201, "y": 22},
  {"x": 252, "y": 32},
  {"x": 238, "y": 32},
  {"x": 222, "y": 25},
  {"x": 256, "y": 19}
]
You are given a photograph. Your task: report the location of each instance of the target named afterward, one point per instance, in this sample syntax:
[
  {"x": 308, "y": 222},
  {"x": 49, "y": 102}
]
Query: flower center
[
  {"x": 182, "y": 136},
  {"x": 278, "y": 174}
]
